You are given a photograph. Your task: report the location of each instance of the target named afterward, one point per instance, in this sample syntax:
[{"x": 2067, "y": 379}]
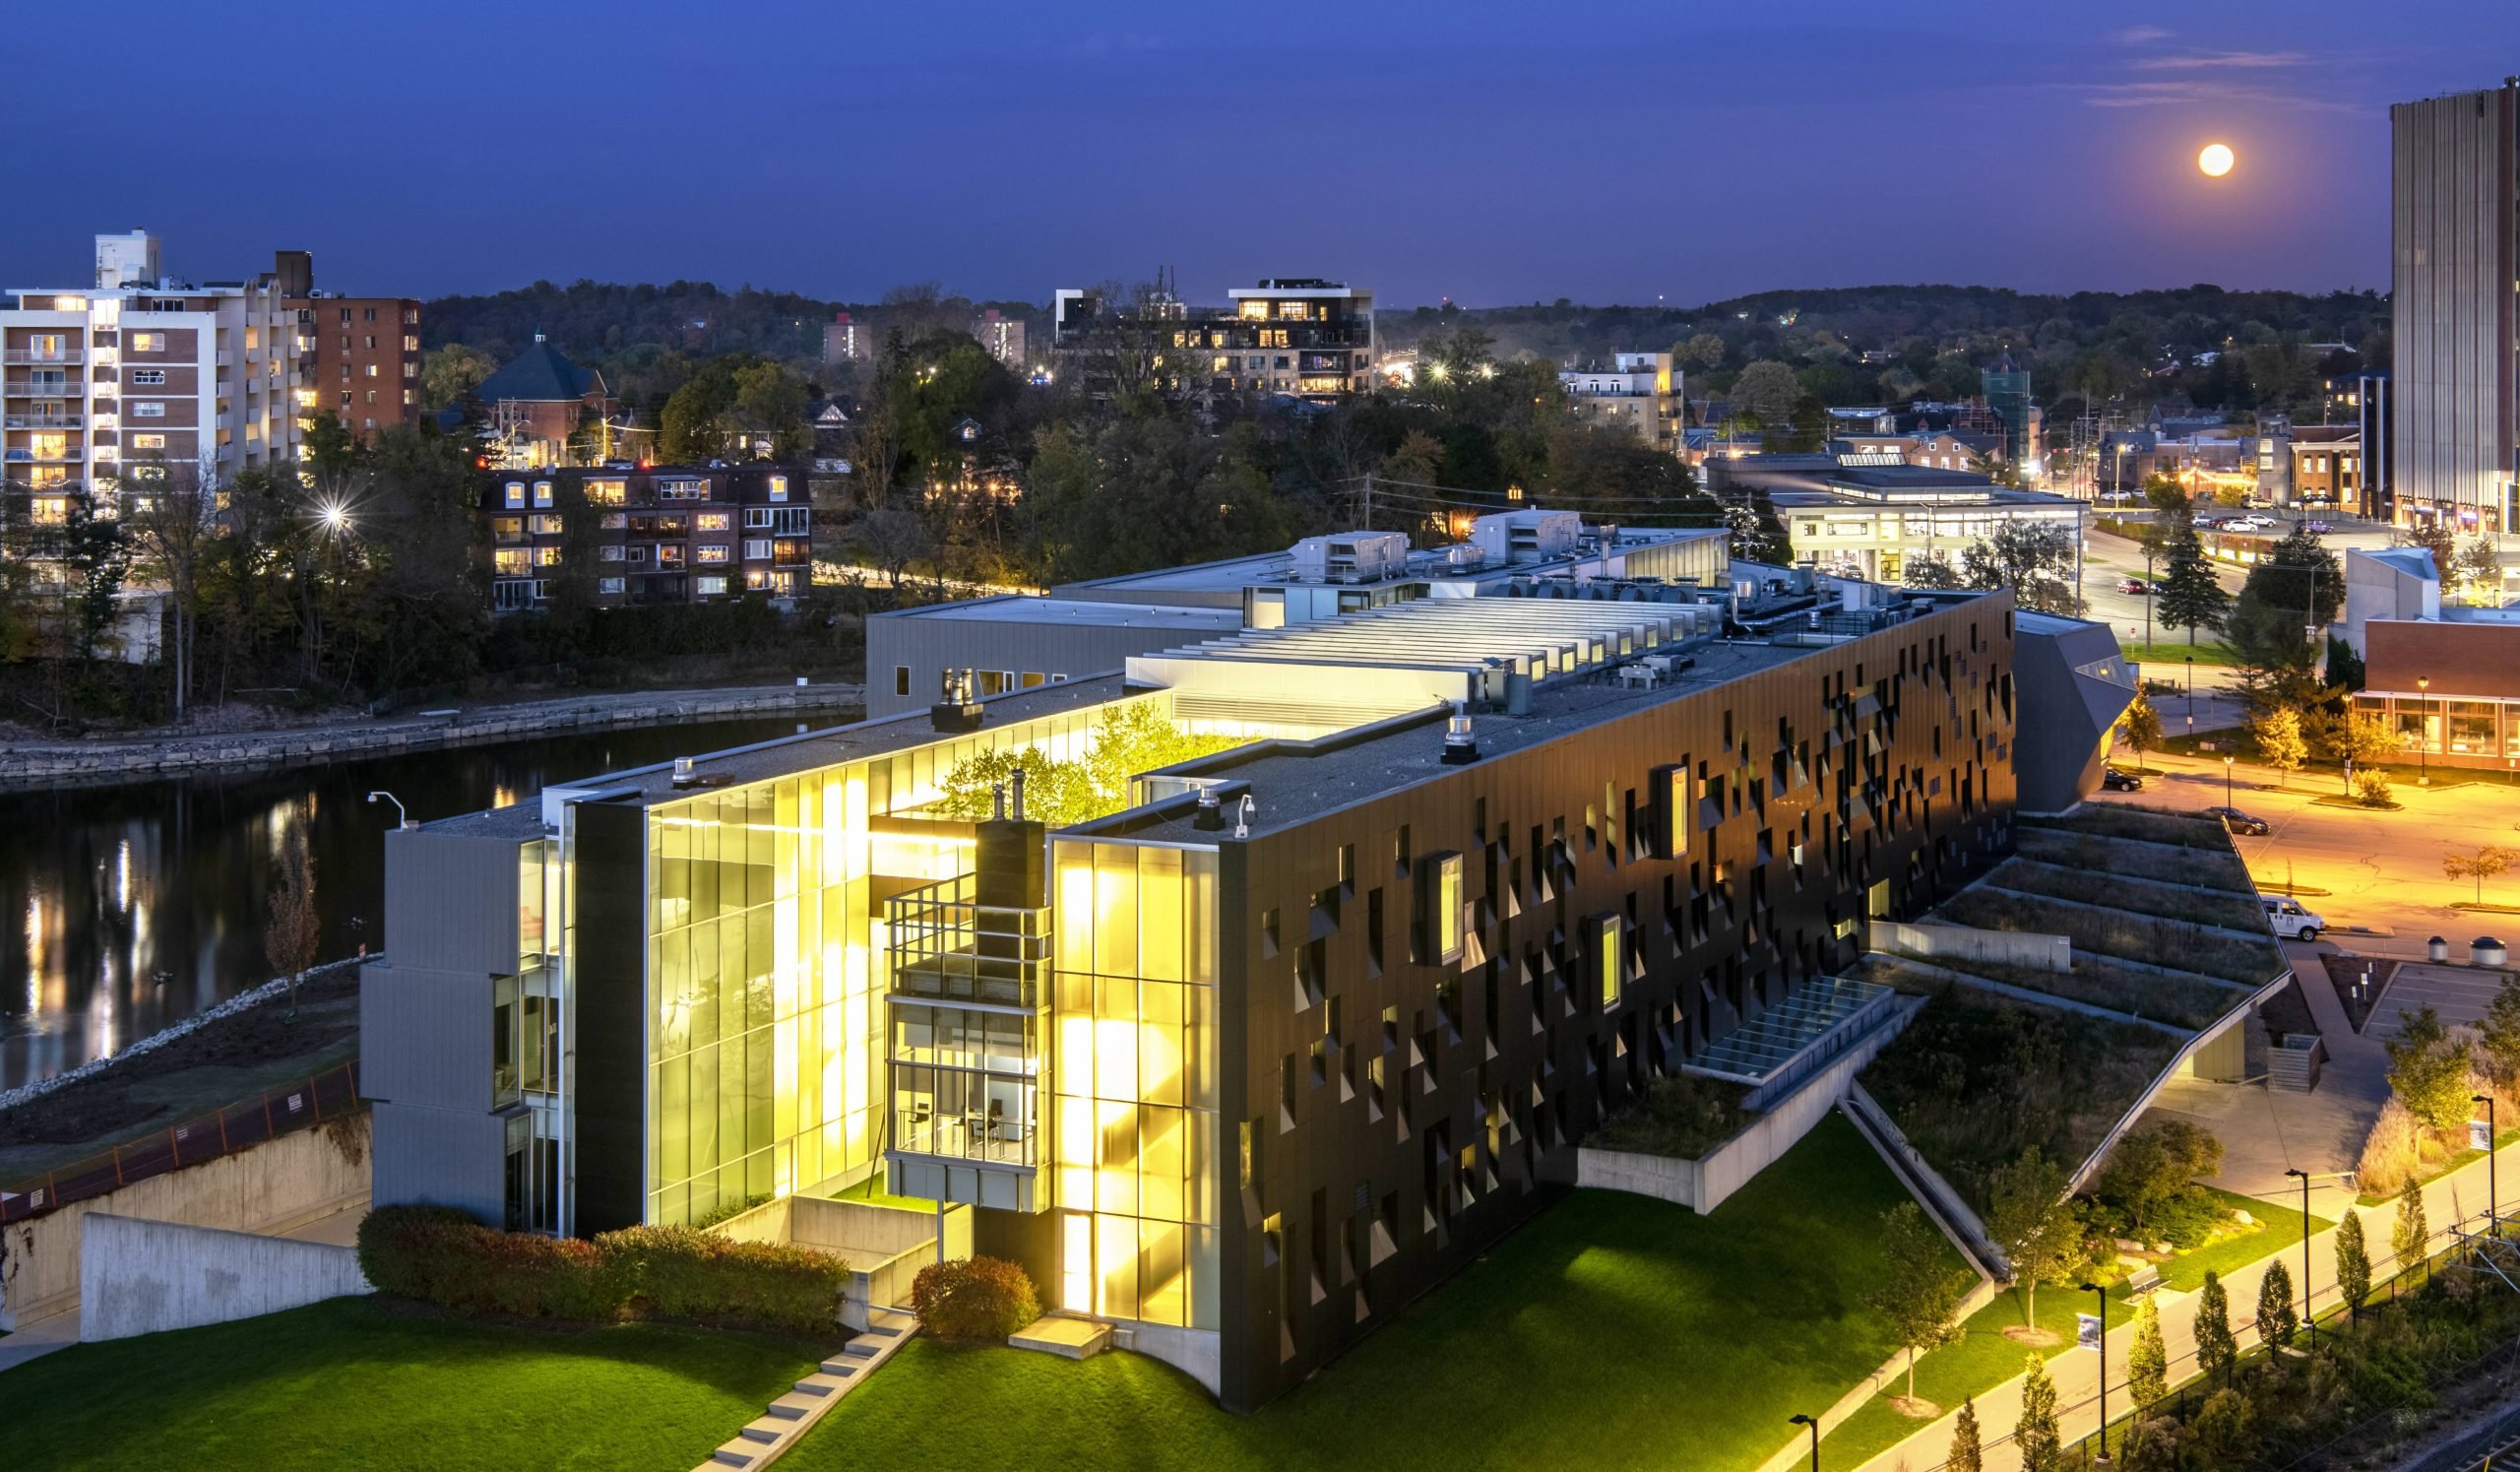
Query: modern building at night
[
  {"x": 646, "y": 534},
  {"x": 2455, "y": 344},
  {"x": 1636, "y": 393},
  {"x": 1314, "y": 955},
  {"x": 2444, "y": 676},
  {"x": 1298, "y": 336},
  {"x": 1019, "y": 641},
  {"x": 1874, "y": 521}
]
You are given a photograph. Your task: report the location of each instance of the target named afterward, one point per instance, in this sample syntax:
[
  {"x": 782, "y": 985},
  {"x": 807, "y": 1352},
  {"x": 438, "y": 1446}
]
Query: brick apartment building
[{"x": 652, "y": 535}]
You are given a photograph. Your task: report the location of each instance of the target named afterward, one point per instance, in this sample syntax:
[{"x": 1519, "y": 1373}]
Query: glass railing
[{"x": 947, "y": 947}]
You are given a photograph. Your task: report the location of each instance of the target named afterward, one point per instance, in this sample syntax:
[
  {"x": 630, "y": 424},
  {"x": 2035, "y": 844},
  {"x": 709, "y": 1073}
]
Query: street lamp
[
  {"x": 2309, "y": 1313},
  {"x": 2227, "y": 781},
  {"x": 2102, "y": 1344},
  {"x": 2492, "y": 1195},
  {"x": 2424, "y": 731},
  {"x": 1801, "y": 1419}
]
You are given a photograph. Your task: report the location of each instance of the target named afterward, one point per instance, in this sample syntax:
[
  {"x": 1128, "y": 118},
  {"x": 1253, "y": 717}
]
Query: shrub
[
  {"x": 2372, "y": 788},
  {"x": 683, "y": 1273},
  {"x": 2388, "y": 1162},
  {"x": 977, "y": 1298},
  {"x": 444, "y": 1257}
]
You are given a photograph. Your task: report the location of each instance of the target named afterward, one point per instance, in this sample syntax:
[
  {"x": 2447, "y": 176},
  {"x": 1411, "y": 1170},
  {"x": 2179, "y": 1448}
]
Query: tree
[
  {"x": 2428, "y": 1070},
  {"x": 2148, "y": 1363},
  {"x": 2299, "y": 574},
  {"x": 97, "y": 555},
  {"x": 2150, "y": 1166},
  {"x": 1768, "y": 390},
  {"x": 2035, "y": 1437},
  {"x": 2141, "y": 724},
  {"x": 2280, "y": 742},
  {"x": 2216, "y": 1347},
  {"x": 894, "y": 538},
  {"x": 737, "y": 407},
  {"x": 2191, "y": 598},
  {"x": 2489, "y": 861},
  {"x": 170, "y": 510},
  {"x": 1930, "y": 570},
  {"x": 2477, "y": 568},
  {"x": 2434, "y": 535},
  {"x": 296, "y": 924},
  {"x": 2033, "y": 1222},
  {"x": 2410, "y": 1238},
  {"x": 2353, "y": 1264},
  {"x": 2277, "y": 1319},
  {"x": 2498, "y": 1036},
  {"x": 2222, "y": 1428},
  {"x": 1704, "y": 350},
  {"x": 1966, "y": 1455},
  {"x": 2035, "y": 559},
  {"x": 450, "y": 372},
  {"x": 1919, "y": 1288}
]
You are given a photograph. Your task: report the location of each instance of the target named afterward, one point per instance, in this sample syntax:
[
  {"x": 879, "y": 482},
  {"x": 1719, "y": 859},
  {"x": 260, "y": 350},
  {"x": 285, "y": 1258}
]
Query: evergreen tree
[
  {"x": 1966, "y": 1456},
  {"x": 2353, "y": 1264},
  {"x": 2276, "y": 1318},
  {"x": 2036, "y": 1438},
  {"x": 2216, "y": 1349},
  {"x": 2409, "y": 1238},
  {"x": 2189, "y": 597},
  {"x": 2148, "y": 1363}
]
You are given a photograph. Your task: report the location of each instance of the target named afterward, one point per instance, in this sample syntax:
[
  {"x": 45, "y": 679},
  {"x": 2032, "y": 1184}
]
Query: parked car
[
  {"x": 2240, "y": 822},
  {"x": 2318, "y": 529},
  {"x": 2288, "y": 919},
  {"x": 2136, "y": 586},
  {"x": 2114, "y": 780}
]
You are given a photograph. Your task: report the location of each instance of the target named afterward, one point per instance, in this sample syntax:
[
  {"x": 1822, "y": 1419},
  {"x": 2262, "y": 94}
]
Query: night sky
[{"x": 1488, "y": 152}]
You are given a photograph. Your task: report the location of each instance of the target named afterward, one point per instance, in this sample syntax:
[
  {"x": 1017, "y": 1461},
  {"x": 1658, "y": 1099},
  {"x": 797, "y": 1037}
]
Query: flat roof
[{"x": 1031, "y": 608}]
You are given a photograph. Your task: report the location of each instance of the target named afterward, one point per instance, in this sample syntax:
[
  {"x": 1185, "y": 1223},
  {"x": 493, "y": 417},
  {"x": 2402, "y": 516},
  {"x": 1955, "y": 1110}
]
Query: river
[{"x": 138, "y": 905}]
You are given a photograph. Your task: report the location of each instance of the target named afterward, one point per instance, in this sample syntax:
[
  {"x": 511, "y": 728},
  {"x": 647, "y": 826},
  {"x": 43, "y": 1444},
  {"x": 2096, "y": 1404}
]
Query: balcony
[
  {"x": 16, "y": 356},
  {"x": 970, "y": 1025},
  {"x": 948, "y": 947},
  {"x": 41, "y": 420},
  {"x": 20, "y": 388}
]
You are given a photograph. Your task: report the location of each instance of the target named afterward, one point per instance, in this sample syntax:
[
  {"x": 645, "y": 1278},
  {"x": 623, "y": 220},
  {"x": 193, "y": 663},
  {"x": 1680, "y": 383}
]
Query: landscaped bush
[
  {"x": 2126, "y": 891},
  {"x": 443, "y": 1256},
  {"x": 2144, "y": 824},
  {"x": 446, "y": 1257},
  {"x": 2130, "y": 936},
  {"x": 1681, "y": 1115},
  {"x": 974, "y": 1298},
  {"x": 2182, "y": 1001},
  {"x": 683, "y": 1273}
]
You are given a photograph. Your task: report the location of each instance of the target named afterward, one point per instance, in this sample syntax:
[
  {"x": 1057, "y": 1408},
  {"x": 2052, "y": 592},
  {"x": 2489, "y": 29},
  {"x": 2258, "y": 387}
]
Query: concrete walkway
[
  {"x": 2455, "y": 1197},
  {"x": 38, "y": 1339}
]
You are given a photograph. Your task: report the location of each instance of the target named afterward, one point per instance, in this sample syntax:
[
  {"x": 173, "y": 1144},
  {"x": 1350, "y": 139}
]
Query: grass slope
[
  {"x": 1612, "y": 1331},
  {"x": 348, "y": 1387}
]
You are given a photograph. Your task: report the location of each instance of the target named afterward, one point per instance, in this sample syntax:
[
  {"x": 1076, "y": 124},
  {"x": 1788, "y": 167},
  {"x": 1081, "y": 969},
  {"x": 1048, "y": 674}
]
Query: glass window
[
  {"x": 516, "y": 493},
  {"x": 2472, "y": 728},
  {"x": 1444, "y": 902}
]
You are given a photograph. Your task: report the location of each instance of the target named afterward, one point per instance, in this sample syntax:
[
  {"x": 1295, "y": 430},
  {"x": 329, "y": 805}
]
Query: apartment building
[
  {"x": 140, "y": 366},
  {"x": 642, "y": 536},
  {"x": 2455, "y": 213},
  {"x": 1293, "y": 336},
  {"x": 1638, "y": 393},
  {"x": 361, "y": 360},
  {"x": 1239, "y": 1050},
  {"x": 1002, "y": 336}
]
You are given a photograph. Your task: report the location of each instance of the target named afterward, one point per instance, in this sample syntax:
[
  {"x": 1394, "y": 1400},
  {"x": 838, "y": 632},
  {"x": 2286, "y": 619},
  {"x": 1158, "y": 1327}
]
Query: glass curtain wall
[
  {"x": 1134, "y": 1075},
  {"x": 765, "y": 973}
]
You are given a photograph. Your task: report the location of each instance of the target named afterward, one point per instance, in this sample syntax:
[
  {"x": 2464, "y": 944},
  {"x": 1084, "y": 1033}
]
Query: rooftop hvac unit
[{"x": 1352, "y": 557}]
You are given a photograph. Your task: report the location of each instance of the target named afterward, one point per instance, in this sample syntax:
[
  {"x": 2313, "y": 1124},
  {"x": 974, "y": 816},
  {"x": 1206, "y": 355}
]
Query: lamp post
[
  {"x": 1802, "y": 1420},
  {"x": 2227, "y": 781},
  {"x": 2424, "y": 731},
  {"x": 2192, "y": 688},
  {"x": 2492, "y": 1195},
  {"x": 2101, "y": 1294},
  {"x": 2309, "y": 1314}
]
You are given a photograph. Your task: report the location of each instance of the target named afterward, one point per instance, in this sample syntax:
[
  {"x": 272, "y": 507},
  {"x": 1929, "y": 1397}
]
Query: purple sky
[{"x": 1489, "y": 151}]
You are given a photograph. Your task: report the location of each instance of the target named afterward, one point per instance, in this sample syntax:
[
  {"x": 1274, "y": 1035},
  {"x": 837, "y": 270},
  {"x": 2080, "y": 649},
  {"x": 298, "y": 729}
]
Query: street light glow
[{"x": 2216, "y": 160}]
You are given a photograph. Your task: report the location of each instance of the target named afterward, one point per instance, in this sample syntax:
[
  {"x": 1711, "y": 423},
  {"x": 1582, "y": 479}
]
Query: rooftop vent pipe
[
  {"x": 1210, "y": 819},
  {"x": 686, "y": 771},
  {"x": 1461, "y": 747}
]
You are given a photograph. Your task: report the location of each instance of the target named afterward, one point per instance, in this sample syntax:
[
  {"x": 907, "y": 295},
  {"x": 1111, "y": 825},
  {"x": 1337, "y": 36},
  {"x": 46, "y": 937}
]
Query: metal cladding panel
[
  {"x": 425, "y": 1037},
  {"x": 429, "y": 1157},
  {"x": 1405, "y": 1111},
  {"x": 451, "y": 901},
  {"x": 930, "y": 646},
  {"x": 2454, "y": 384},
  {"x": 610, "y": 1103}
]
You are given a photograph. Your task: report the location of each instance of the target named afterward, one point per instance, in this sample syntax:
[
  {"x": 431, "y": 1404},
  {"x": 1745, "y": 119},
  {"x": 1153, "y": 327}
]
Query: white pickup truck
[{"x": 2290, "y": 919}]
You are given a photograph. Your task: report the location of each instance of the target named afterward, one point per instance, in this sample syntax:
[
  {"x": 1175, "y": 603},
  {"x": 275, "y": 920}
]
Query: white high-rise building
[
  {"x": 2455, "y": 196},
  {"x": 139, "y": 368}
]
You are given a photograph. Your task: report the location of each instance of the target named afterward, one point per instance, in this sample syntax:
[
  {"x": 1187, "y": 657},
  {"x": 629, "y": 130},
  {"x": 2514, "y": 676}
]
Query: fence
[{"x": 237, "y": 1126}]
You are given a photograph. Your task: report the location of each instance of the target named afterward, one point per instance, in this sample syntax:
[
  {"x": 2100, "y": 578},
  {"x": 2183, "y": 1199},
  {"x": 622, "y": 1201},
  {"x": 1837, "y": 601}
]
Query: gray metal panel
[
  {"x": 430, "y": 1157},
  {"x": 927, "y": 647},
  {"x": 2452, "y": 180},
  {"x": 425, "y": 1037},
  {"x": 451, "y": 901}
]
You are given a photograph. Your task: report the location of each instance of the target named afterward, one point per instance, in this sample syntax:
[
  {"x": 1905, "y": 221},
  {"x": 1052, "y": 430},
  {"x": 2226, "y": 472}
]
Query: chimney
[
  {"x": 686, "y": 771},
  {"x": 1018, "y": 794},
  {"x": 1461, "y": 747},
  {"x": 1210, "y": 819},
  {"x": 957, "y": 712}
]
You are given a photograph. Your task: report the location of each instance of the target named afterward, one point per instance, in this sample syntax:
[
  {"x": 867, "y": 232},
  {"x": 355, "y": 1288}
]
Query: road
[{"x": 2381, "y": 870}]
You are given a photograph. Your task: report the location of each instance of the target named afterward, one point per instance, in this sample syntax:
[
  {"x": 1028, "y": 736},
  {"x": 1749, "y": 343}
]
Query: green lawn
[
  {"x": 1984, "y": 1358},
  {"x": 2279, "y": 1226},
  {"x": 2166, "y": 658},
  {"x": 347, "y": 1386},
  {"x": 1610, "y": 1331}
]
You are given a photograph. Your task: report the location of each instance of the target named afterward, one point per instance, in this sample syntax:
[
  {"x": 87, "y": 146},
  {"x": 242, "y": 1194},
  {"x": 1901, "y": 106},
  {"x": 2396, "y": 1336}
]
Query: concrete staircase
[
  {"x": 1065, "y": 1335},
  {"x": 791, "y": 1416}
]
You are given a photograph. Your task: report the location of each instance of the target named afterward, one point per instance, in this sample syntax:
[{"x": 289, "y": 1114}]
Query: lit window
[
  {"x": 149, "y": 409},
  {"x": 707, "y": 585},
  {"x": 149, "y": 441},
  {"x": 714, "y": 521},
  {"x": 607, "y": 492},
  {"x": 709, "y": 553},
  {"x": 148, "y": 341},
  {"x": 542, "y": 492},
  {"x": 1443, "y": 907},
  {"x": 1606, "y": 962},
  {"x": 779, "y": 488},
  {"x": 515, "y": 492}
]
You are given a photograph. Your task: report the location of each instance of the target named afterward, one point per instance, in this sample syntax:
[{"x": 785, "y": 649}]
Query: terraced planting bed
[
  {"x": 2125, "y": 891},
  {"x": 2116, "y": 932},
  {"x": 2103, "y": 854}
]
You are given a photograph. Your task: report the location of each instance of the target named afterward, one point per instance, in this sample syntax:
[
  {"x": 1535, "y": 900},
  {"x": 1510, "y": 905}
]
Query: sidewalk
[{"x": 2454, "y": 1197}]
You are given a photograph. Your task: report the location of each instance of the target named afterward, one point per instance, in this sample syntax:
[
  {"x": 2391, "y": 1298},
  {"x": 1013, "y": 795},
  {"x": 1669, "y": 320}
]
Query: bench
[{"x": 2144, "y": 1279}]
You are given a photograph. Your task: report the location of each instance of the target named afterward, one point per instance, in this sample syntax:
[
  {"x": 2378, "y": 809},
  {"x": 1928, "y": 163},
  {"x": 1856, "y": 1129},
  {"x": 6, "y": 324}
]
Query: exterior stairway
[{"x": 791, "y": 1415}]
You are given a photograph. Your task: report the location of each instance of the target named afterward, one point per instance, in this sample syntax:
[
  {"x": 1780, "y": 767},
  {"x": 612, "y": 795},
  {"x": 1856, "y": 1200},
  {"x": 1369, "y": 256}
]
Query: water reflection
[{"x": 140, "y": 905}]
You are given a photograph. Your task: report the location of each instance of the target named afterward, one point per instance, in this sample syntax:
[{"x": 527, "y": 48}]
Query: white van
[{"x": 2290, "y": 919}]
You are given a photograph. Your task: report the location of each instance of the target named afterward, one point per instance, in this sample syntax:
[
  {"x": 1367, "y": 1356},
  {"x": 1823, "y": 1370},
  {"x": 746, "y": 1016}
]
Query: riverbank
[{"x": 26, "y": 765}]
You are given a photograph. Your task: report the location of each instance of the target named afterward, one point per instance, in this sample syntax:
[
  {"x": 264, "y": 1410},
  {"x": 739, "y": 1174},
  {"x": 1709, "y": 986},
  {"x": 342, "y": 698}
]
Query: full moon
[{"x": 2216, "y": 160}]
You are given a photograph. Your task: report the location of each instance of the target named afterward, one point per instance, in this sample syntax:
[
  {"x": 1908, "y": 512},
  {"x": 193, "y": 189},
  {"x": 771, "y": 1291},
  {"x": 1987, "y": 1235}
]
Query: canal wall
[{"x": 28, "y": 765}]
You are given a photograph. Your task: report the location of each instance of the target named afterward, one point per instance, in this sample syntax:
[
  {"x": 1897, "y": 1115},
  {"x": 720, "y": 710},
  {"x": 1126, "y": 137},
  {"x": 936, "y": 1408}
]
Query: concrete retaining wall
[
  {"x": 1703, "y": 1184},
  {"x": 140, "y": 1277},
  {"x": 30, "y": 765},
  {"x": 1932, "y": 938},
  {"x": 275, "y": 1186}
]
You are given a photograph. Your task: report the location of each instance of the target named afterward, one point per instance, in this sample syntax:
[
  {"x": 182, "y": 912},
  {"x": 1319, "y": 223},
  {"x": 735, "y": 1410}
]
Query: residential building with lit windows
[
  {"x": 142, "y": 366},
  {"x": 635, "y": 535},
  {"x": 1296, "y": 337},
  {"x": 361, "y": 358},
  {"x": 1289, "y": 987},
  {"x": 1638, "y": 393}
]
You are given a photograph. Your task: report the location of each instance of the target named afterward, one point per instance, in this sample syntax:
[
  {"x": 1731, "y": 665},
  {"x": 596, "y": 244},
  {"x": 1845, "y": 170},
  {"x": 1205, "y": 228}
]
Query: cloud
[
  {"x": 2138, "y": 35},
  {"x": 2199, "y": 93},
  {"x": 2198, "y": 61}
]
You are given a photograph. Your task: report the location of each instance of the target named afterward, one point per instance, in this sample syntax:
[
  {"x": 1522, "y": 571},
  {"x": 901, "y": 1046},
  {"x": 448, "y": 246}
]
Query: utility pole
[{"x": 1367, "y": 516}]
